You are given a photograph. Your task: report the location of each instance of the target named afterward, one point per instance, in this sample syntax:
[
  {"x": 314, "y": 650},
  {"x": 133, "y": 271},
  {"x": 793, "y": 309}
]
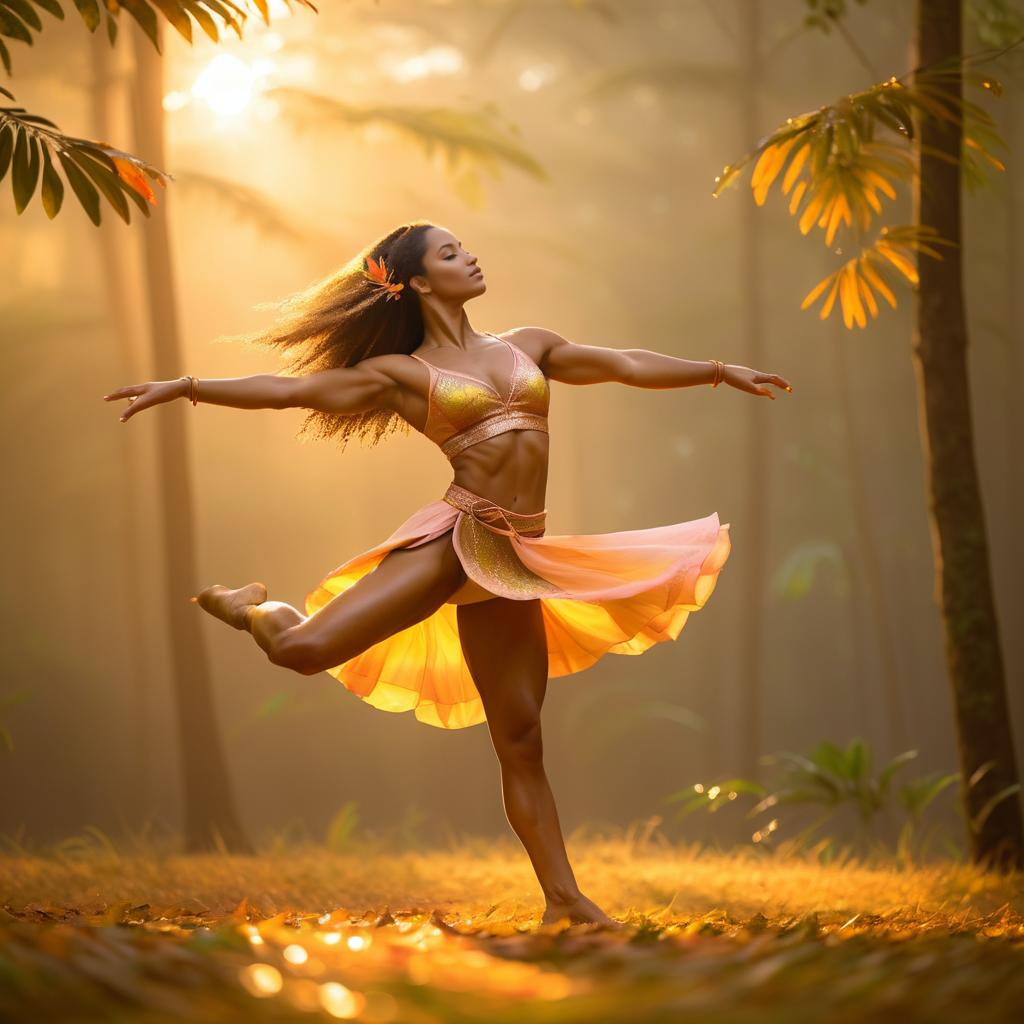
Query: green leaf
[
  {"x": 206, "y": 23},
  {"x": 885, "y": 776},
  {"x": 53, "y": 188},
  {"x": 52, "y": 6},
  {"x": 24, "y": 10},
  {"x": 90, "y": 12},
  {"x": 106, "y": 180},
  {"x": 13, "y": 27},
  {"x": 26, "y": 169},
  {"x": 7, "y": 131},
  {"x": 146, "y": 17},
  {"x": 176, "y": 15},
  {"x": 82, "y": 187}
]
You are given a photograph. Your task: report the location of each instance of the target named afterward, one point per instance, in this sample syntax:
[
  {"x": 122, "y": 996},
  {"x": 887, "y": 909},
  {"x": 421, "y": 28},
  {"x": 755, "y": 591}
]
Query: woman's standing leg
[{"x": 506, "y": 651}]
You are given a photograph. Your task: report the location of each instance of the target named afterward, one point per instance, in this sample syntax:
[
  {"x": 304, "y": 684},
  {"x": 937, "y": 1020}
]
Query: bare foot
[
  {"x": 230, "y": 605},
  {"x": 579, "y": 911}
]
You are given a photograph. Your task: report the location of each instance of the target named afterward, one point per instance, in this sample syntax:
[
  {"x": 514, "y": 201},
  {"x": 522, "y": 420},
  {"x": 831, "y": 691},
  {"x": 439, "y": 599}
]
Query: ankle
[{"x": 562, "y": 895}]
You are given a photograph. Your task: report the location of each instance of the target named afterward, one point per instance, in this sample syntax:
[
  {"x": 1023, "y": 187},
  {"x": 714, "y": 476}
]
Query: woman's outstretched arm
[
  {"x": 367, "y": 385},
  {"x": 570, "y": 363}
]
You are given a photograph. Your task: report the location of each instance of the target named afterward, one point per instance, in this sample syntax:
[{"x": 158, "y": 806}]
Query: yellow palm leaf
[
  {"x": 768, "y": 167},
  {"x": 869, "y": 297},
  {"x": 827, "y": 307},
  {"x": 898, "y": 260},
  {"x": 810, "y": 213},
  {"x": 793, "y": 171},
  {"x": 872, "y": 275},
  {"x": 816, "y": 291},
  {"x": 876, "y": 179},
  {"x": 798, "y": 194},
  {"x": 852, "y": 296}
]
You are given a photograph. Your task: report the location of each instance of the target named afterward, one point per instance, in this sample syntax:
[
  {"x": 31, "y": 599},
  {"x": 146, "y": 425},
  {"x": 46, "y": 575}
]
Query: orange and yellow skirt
[{"x": 617, "y": 593}]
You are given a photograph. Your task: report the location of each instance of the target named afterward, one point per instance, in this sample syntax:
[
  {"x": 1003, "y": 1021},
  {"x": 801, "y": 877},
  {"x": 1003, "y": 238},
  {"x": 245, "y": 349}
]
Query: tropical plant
[
  {"x": 836, "y": 165},
  {"x": 833, "y": 778},
  {"x": 94, "y": 168}
]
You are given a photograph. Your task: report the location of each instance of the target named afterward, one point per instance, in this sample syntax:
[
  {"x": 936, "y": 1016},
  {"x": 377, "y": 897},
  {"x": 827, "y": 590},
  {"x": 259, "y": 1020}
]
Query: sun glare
[{"x": 226, "y": 83}]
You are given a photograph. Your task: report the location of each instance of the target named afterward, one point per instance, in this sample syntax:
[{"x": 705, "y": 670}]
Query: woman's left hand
[{"x": 749, "y": 380}]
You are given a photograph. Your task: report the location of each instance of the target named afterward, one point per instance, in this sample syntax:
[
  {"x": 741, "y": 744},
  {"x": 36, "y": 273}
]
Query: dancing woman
[{"x": 467, "y": 609}]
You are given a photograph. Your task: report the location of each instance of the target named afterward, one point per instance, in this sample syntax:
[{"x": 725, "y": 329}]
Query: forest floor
[{"x": 300, "y": 933}]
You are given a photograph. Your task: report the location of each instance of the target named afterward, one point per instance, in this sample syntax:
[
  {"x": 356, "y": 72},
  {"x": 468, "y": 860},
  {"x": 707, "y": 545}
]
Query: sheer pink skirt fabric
[{"x": 617, "y": 593}]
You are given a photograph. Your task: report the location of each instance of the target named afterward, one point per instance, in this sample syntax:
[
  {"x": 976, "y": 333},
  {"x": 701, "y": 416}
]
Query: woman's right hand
[{"x": 142, "y": 396}]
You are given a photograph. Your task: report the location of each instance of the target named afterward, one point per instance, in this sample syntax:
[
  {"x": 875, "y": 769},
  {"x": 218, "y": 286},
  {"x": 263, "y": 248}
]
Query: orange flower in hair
[{"x": 381, "y": 276}]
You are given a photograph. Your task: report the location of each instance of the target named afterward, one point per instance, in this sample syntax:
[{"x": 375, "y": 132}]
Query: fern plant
[{"x": 831, "y": 778}]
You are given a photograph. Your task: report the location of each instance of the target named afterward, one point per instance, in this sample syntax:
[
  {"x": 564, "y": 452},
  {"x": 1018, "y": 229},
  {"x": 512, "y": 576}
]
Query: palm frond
[
  {"x": 20, "y": 18},
  {"x": 458, "y": 134},
  {"x": 853, "y": 282},
  {"x": 832, "y": 163},
  {"x": 27, "y": 145}
]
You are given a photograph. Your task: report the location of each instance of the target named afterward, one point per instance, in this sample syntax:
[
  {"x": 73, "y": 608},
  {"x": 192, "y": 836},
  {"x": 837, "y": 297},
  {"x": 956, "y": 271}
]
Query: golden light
[
  {"x": 340, "y": 1001},
  {"x": 261, "y": 979},
  {"x": 295, "y": 954},
  {"x": 227, "y": 83},
  {"x": 357, "y": 942},
  {"x": 537, "y": 76},
  {"x": 437, "y": 60},
  {"x": 332, "y": 938}
]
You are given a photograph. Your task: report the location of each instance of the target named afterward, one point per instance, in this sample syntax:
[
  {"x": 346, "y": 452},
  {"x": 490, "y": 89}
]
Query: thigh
[
  {"x": 505, "y": 647},
  {"x": 406, "y": 586}
]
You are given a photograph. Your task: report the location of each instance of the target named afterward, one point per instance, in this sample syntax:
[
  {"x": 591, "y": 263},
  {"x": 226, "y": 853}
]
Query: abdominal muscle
[{"x": 510, "y": 469}]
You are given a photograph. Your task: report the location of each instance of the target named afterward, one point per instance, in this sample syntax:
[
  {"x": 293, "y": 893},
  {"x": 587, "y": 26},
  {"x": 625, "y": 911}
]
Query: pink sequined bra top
[{"x": 463, "y": 410}]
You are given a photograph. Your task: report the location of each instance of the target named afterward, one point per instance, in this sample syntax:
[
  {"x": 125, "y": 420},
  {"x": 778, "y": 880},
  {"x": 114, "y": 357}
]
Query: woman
[{"x": 463, "y": 613}]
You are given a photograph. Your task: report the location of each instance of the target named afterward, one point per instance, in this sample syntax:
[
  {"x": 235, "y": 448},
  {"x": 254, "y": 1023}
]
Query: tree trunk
[
  {"x": 963, "y": 586},
  {"x": 210, "y": 815},
  {"x": 116, "y": 257}
]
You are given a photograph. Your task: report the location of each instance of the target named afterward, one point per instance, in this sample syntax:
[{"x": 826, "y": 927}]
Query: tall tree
[
  {"x": 836, "y": 168},
  {"x": 963, "y": 584},
  {"x": 210, "y": 814}
]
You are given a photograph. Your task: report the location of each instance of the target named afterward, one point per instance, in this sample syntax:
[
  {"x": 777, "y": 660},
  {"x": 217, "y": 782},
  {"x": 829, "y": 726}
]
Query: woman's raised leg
[
  {"x": 405, "y": 587},
  {"x": 505, "y": 648}
]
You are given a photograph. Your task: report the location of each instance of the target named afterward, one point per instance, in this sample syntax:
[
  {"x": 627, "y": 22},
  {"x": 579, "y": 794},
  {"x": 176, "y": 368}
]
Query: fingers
[
  {"x": 771, "y": 378},
  {"x": 131, "y": 392},
  {"x": 125, "y": 392}
]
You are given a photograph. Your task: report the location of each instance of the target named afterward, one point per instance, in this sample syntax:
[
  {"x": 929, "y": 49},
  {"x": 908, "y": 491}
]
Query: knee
[
  {"x": 523, "y": 746},
  {"x": 299, "y": 654}
]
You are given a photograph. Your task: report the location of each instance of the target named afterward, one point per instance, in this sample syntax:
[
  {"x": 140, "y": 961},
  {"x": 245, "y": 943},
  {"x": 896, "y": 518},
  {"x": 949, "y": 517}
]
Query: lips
[{"x": 477, "y": 273}]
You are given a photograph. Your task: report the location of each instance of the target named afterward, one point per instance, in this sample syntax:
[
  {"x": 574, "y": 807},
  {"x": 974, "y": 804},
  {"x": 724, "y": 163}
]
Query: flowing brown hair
[{"x": 345, "y": 317}]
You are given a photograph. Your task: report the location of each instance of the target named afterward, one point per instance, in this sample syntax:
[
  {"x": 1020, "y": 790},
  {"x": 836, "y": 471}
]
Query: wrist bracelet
[
  {"x": 719, "y": 372},
  {"x": 193, "y": 388}
]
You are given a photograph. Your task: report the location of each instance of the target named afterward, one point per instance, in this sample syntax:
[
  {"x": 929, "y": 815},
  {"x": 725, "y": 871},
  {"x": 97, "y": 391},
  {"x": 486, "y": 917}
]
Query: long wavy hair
[{"x": 345, "y": 317}]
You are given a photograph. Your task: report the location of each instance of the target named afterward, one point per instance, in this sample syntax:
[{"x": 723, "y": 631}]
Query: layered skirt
[{"x": 617, "y": 593}]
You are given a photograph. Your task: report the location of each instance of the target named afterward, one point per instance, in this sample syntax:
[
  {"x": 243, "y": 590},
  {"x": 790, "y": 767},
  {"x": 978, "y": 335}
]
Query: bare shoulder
[
  {"x": 397, "y": 367},
  {"x": 536, "y": 342}
]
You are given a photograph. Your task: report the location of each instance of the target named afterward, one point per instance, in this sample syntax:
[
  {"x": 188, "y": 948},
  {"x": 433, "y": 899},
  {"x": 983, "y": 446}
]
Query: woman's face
[{"x": 451, "y": 271}]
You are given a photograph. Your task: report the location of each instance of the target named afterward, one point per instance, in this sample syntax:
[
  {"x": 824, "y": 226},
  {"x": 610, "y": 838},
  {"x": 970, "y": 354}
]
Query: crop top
[{"x": 463, "y": 410}]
